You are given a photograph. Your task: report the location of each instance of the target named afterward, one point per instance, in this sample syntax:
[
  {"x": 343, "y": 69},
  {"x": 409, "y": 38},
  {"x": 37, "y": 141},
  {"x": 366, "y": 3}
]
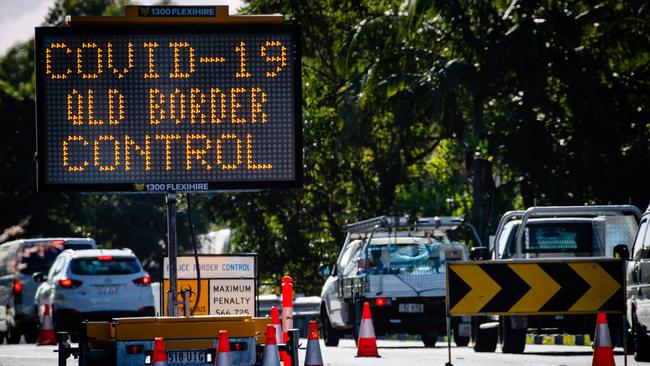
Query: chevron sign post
[{"x": 533, "y": 287}]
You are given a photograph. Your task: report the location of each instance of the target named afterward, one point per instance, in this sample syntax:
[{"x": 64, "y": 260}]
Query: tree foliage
[{"x": 425, "y": 107}]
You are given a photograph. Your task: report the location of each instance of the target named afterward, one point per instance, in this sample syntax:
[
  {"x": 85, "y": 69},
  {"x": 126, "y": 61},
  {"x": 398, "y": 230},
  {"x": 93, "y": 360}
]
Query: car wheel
[
  {"x": 514, "y": 340},
  {"x": 459, "y": 340},
  {"x": 13, "y": 335},
  {"x": 355, "y": 314},
  {"x": 31, "y": 334},
  {"x": 3, "y": 335},
  {"x": 485, "y": 340},
  {"x": 429, "y": 341},
  {"x": 330, "y": 335},
  {"x": 641, "y": 342}
]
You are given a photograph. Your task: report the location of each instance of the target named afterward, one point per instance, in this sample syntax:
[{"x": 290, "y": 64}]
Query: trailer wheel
[
  {"x": 13, "y": 335},
  {"x": 429, "y": 341},
  {"x": 485, "y": 340}
]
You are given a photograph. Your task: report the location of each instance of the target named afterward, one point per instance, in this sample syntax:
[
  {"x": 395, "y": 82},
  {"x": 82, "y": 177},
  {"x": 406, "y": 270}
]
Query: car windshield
[
  {"x": 406, "y": 258},
  {"x": 97, "y": 266},
  {"x": 38, "y": 258}
]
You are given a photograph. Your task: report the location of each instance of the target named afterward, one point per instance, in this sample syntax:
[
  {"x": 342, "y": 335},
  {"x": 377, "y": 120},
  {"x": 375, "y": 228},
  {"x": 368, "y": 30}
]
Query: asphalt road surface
[{"x": 401, "y": 353}]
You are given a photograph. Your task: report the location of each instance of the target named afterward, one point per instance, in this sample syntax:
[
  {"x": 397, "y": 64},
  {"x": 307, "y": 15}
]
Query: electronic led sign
[{"x": 168, "y": 108}]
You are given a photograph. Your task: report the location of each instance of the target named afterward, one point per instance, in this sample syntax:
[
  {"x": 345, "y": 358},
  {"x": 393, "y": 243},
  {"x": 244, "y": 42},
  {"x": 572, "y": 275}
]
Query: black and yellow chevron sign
[{"x": 531, "y": 287}]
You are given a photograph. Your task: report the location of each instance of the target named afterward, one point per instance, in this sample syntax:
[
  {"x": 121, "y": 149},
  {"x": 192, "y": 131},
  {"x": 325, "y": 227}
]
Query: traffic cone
[
  {"x": 271, "y": 356},
  {"x": 223, "y": 357},
  {"x": 275, "y": 320},
  {"x": 313, "y": 356},
  {"x": 367, "y": 343},
  {"x": 159, "y": 357},
  {"x": 284, "y": 355},
  {"x": 46, "y": 334},
  {"x": 603, "y": 352}
]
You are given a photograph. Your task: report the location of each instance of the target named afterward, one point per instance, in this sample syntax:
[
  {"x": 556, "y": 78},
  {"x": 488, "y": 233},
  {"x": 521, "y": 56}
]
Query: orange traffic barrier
[
  {"x": 287, "y": 303},
  {"x": 603, "y": 351},
  {"x": 275, "y": 320},
  {"x": 159, "y": 357},
  {"x": 284, "y": 355},
  {"x": 367, "y": 342},
  {"x": 46, "y": 334},
  {"x": 271, "y": 357},
  {"x": 313, "y": 356},
  {"x": 223, "y": 357}
]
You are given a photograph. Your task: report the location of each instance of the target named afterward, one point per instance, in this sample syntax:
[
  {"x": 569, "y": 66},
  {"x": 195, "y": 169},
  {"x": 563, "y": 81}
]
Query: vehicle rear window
[
  {"x": 576, "y": 238},
  {"x": 38, "y": 258},
  {"x": 96, "y": 267}
]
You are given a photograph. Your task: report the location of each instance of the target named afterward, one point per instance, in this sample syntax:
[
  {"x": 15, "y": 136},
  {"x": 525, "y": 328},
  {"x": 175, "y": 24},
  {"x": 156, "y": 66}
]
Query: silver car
[{"x": 95, "y": 285}]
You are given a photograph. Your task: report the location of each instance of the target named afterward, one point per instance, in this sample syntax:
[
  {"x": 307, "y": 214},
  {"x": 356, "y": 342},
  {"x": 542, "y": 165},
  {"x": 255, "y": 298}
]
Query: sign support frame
[{"x": 134, "y": 15}]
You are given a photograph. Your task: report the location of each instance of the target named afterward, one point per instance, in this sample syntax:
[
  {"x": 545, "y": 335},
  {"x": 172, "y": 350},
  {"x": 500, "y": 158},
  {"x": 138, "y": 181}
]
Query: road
[{"x": 392, "y": 353}]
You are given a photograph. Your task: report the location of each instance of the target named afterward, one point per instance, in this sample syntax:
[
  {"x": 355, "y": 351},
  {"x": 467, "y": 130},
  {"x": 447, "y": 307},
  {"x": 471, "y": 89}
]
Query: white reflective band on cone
[
  {"x": 366, "y": 330},
  {"x": 287, "y": 318},
  {"x": 313, "y": 356},
  {"x": 278, "y": 333},
  {"x": 223, "y": 359},
  {"x": 271, "y": 356},
  {"x": 602, "y": 336}
]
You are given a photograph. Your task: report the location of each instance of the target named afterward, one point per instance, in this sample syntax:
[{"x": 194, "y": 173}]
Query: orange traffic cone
[
  {"x": 46, "y": 335},
  {"x": 271, "y": 356},
  {"x": 603, "y": 352},
  {"x": 367, "y": 343},
  {"x": 313, "y": 356},
  {"x": 159, "y": 357},
  {"x": 275, "y": 320},
  {"x": 223, "y": 357}
]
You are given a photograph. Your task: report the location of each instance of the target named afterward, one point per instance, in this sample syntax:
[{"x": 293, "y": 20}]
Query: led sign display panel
[{"x": 168, "y": 109}]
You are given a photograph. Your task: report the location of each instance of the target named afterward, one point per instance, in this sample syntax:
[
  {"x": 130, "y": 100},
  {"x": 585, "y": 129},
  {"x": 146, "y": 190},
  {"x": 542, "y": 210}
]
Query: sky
[{"x": 19, "y": 17}]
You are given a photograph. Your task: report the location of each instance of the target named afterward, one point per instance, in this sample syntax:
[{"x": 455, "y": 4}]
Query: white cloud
[{"x": 18, "y": 19}]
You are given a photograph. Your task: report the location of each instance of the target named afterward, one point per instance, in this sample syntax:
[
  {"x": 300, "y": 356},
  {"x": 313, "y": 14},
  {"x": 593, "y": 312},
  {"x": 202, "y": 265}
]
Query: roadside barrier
[
  {"x": 46, "y": 334},
  {"x": 287, "y": 303},
  {"x": 367, "y": 343},
  {"x": 271, "y": 357},
  {"x": 284, "y": 355},
  {"x": 223, "y": 357},
  {"x": 313, "y": 355},
  {"x": 159, "y": 357},
  {"x": 603, "y": 352},
  {"x": 564, "y": 339}
]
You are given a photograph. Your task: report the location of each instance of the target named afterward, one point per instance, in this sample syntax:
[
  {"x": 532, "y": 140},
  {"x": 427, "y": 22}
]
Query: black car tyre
[
  {"x": 641, "y": 342},
  {"x": 486, "y": 340},
  {"x": 31, "y": 334},
  {"x": 355, "y": 315},
  {"x": 429, "y": 341},
  {"x": 13, "y": 335},
  {"x": 460, "y": 341},
  {"x": 514, "y": 340},
  {"x": 330, "y": 335}
]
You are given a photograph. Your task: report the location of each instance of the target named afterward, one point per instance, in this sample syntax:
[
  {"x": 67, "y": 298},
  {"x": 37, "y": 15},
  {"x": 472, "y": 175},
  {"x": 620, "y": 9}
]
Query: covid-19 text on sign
[{"x": 158, "y": 109}]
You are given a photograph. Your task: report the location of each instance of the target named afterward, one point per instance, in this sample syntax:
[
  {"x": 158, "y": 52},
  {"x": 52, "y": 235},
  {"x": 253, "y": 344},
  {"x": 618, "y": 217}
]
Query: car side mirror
[
  {"x": 479, "y": 253},
  {"x": 39, "y": 277},
  {"x": 325, "y": 270},
  {"x": 621, "y": 251}
]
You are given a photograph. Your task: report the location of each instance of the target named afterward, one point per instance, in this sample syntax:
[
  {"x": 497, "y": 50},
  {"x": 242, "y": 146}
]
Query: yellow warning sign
[{"x": 189, "y": 285}]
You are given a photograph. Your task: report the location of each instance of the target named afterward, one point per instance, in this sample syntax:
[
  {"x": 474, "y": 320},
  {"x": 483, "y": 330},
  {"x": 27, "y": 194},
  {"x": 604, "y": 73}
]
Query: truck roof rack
[{"x": 393, "y": 222}]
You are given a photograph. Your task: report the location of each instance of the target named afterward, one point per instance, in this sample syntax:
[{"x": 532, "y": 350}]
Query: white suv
[{"x": 95, "y": 284}]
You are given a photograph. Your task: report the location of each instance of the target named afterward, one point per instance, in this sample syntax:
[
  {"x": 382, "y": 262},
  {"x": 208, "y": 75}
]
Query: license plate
[
  {"x": 185, "y": 357},
  {"x": 411, "y": 308},
  {"x": 107, "y": 290}
]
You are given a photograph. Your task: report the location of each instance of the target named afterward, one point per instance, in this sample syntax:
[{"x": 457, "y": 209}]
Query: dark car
[{"x": 638, "y": 290}]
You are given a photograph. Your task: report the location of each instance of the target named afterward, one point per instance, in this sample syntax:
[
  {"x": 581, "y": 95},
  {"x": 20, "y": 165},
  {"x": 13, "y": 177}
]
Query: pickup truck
[
  {"x": 556, "y": 232},
  {"x": 397, "y": 265}
]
